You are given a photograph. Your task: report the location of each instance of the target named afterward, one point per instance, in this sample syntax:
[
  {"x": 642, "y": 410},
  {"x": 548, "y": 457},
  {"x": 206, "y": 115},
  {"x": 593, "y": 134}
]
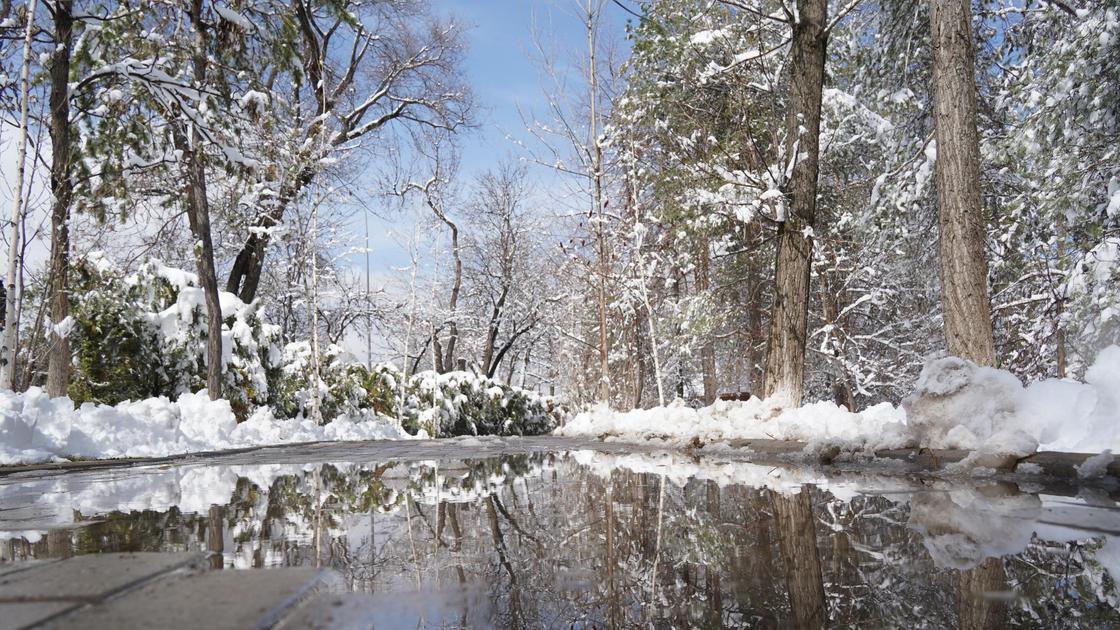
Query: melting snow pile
[
  {"x": 956, "y": 404},
  {"x": 881, "y": 426},
  {"x": 35, "y": 427}
]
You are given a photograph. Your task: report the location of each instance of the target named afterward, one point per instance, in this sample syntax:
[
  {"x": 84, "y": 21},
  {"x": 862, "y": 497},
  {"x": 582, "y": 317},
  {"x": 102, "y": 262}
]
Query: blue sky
[
  {"x": 502, "y": 62},
  {"x": 502, "y": 66}
]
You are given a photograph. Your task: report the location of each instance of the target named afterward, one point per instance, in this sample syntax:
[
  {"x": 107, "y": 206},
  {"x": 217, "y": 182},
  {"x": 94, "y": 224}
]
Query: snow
[
  {"x": 962, "y": 527},
  {"x": 36, "y": 428},
  {"x": 955, "y": 405},
  {"x": 234, "y": 17},
  {"x": 62, "y": 328},
  {"x": 703, "y": 38},
  {"x": 1095, "y": 466},
  {"x": 878, "y": 427}
]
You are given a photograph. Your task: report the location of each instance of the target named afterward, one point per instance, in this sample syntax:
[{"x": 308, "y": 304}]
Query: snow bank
[
  {"x": 881, "y": 426},
  {"x": 955, "y": 404},
  {"x": 35, "y": 428}
]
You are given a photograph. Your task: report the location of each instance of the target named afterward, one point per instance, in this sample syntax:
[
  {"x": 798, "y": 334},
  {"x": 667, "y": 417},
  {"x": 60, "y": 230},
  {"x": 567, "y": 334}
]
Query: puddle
[{"x": 586, "y": 539}]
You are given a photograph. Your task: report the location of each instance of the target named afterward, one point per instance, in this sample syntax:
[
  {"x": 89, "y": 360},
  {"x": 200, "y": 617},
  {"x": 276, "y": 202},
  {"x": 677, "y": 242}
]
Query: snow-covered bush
[
  {"x": 144, "y": 334},
  {"x": 465, "y": 403},
  {"x": 346, "y": 387},
  {"x": 442, "y": 405},
  {"x": 112, "y": 341}
]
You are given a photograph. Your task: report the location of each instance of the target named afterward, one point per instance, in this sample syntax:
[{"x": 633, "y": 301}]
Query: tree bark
[
  {"x": 797, "y": 537},
  {"x": 976, "y": 608},
  {"x": 58, "y": 357},
  {"x": 707, "y": 350},
  {"x": 456, "y": 286},
  {"x": 785, "y": 344},
  {"x": 964, "y": 268},
  {"x": 198, "y": 215},
  {"x": 248, "y": 265},
  {"x": 9, "y": 343}
]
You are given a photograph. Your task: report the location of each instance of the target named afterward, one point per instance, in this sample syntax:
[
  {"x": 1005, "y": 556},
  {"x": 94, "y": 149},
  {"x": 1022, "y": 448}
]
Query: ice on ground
[
  {"x": 955, "y": 405},
  {"x": 37, "y": 428}
]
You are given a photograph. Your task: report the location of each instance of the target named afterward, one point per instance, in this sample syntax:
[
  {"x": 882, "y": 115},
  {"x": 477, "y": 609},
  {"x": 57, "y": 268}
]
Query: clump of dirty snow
[
  {"x": 999, "y": 452},
  {"x": 1096, "y": 466},
  {"x": 36, "y": 428},
  {"x": 957, "y": 404}
]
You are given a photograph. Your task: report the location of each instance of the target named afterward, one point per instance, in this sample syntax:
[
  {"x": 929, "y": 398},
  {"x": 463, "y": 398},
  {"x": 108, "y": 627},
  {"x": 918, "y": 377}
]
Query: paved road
[{"x": 163, "y": 590}]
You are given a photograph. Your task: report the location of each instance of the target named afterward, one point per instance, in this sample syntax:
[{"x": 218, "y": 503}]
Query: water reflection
[{"x": 586, "y": 539}]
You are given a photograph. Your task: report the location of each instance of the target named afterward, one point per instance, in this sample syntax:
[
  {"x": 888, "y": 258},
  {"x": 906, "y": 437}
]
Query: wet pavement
[{"x": 545, "y": 532}]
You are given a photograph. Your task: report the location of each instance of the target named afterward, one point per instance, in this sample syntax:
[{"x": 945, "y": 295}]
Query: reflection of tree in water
[{"x": 544, "y": 540}]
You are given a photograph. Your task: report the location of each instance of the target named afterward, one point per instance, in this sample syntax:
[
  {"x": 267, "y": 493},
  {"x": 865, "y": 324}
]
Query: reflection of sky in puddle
[{"x": 584, "y": 538}]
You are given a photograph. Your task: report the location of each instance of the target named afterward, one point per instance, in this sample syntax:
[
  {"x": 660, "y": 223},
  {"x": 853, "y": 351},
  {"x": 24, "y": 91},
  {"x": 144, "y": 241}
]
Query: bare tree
[
  {"x": 367, "y": 64},
  {"x": 437, "y": 194},
  {"x": 506, "y": 294}
]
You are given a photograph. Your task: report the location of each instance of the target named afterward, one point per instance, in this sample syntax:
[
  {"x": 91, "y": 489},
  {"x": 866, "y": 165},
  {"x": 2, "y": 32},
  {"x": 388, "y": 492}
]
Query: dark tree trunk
[
  {"x": 964, "y": 268},
  {"x": 453, "y": 305},
  {"x": 245, "y": 274},
  {"x": 785, "y": 344},
  {"x": 58, "y": 357},
  {"x": 198, "y": 215},
  {"x": 447, "y": 360},
  {"x": 215, "y": 537},
  {"x": 797, "y": 537},
  {"x": 976, "y": 606},
  {"x": 707, "y": 351}
]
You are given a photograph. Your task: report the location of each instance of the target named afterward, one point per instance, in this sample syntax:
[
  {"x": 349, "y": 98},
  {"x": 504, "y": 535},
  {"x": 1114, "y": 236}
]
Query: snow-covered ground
[
  {"x": 36, "y": 428},
  {"x": 955, "y": 404}
]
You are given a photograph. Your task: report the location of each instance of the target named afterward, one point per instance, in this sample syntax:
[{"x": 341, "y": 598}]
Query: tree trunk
[
  {"x": 785, "y": 344},
  {"x": 215, "y": 537},
  {"x": 964, "y": 268},
  {"x": 58, "y": 358},
  {"x": 707, "y": 350},
  {"x": 595, "y": 173},
  {"x": 797, "y": 537},
  {"x": 755, "y": 333},
  {"x": 245, "y": 273},
  {"x": 198, "y": 215},
  {"x": 9, "y": 344},
  {"x": 456, "y": 286},
  {"x": 497, "y": 312},
  {"x": 976, "y": 606}
]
